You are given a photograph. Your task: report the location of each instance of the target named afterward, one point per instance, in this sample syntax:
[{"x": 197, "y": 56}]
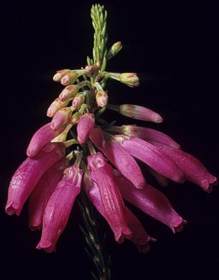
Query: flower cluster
[{"x": 78, "y": 151}]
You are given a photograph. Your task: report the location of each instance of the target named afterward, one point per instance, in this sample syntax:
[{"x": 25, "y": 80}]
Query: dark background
[{"x": 174, "y": 48}]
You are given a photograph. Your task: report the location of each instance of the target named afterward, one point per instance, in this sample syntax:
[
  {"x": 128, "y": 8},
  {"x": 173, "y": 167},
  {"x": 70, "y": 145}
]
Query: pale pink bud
[
  {"x": 139, "y": 113},
  {"x": 192, "y": 168},
  {"x": 84, "y": 127},
  {"x": 152, "y": 202},
  {"x": 59, "y": 207},
  {"x": 130, "y": 79},
  {"x": 42, "y": 193},
  {"x": 113, "y": 205},
  {"x": 56, "y": 105},
  {"x": 92, "y": 70},
  {"x": 61, "y": 118},
  {"x": 40, "y": 138},
  {"x": 148, "y": 134},
  {"x": 28, "y": 175},
  {"x": 68, "y": 92},
  {"x": 118, "y": 156},
  {"x": 59, "y": 74},
  {"x": 77, "y": 101},
  {"x": 101, "y": 98},
  {"x": 69, "y": 77},
  {"x": 151, "y": 155}
]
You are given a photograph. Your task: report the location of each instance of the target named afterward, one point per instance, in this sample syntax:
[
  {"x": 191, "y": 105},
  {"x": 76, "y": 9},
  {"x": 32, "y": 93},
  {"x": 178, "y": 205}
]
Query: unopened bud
[
  {"x": 59, "y": 74},
  {"x": 69, "y": 77},
  {"x": 68, "y": 92},
  {"x": 61, "y": 118},
  {"x": 56, "y": 105},
  {"x": 101, "y": 98},
  {"x": 92, "y": 69},
  {"x": 115, "y": 49},
  {"x": 77, "y": 101},
  {"x": 130, "y": 79}
]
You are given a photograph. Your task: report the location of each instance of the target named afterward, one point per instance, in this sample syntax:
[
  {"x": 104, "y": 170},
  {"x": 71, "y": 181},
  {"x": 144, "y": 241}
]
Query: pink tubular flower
[
  {"x": 40, "y": 138},
  {"x": 68, "y": 92},
  {"x": 61, "y": 118},
  {"x": 151, "y": 155},
  {"x": 148, "y": 134},
  {"x": 28, "y": 175},
  {"x": 59, "y": 207},
  {"x": 84, "y": 127},
  {"x": 139, "y": 113},
  {"x": 152, "y": 202},
  {"x": 113, "y": 206},
  {"x": 139, "y": 237},
  {"x": 125, "y": 163},
  {"x": 193, "y": 169},
  {"x": 42, "y": 193}
]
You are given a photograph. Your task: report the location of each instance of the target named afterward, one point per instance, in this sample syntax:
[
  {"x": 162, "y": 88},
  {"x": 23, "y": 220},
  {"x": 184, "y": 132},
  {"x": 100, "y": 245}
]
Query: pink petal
[
  {"x": 61, "y": 119},
  {"x": 42, "y": 193},
  {"x": 152, "y": 202},
  {"x": 125, "y": 163},
  {"x": 40, "y": 138},
  {"x": 145, "y": 133},
  {"x": 84, "y": 127},
  {"x": 28, "y": 175},
  {"x": 151, "y": 155},
  {"x": 113, "y": 205},
  {"x": 193, "y": 169},
  {"x": 59, "y": 207}
]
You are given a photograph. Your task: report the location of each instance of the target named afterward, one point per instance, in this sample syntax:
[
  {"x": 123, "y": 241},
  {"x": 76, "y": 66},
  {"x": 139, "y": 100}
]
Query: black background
[{"x": 174, "y": 49}]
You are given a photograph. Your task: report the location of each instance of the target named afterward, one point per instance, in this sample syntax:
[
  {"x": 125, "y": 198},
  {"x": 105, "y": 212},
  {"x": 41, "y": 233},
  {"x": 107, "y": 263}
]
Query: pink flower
[
  {"x": 148, "y": 134},
  {"x": 42, "y": 193},
  {"x": 101, "y": 98},
  {"x": 152, "y": 202},
  {"x": 68, "y": 92},
  {"x": 139, "y": 113},
  {"x": 28, "y": 175},
  {"x": 151, "y": 155},
  {"x": 193, "y": 169},
  {"x": 40, "y": 138},
  {"x": 61, "y": 118},
  {"x": 84, "y": 127},
  {"x": 55, "y": 106},
  {"x": 139, "y": 237},
  {"x": 125, "y": 163},
  {"x": 59, "y": 207},
  {"x": 113, "y": 206}
]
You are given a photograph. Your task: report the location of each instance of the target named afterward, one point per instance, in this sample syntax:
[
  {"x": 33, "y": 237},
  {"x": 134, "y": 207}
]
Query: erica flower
[
  {"x": 42, "y": 193},
  {"x": 84, "y": 127},
  {"x": 113, "y": 207},
  {"x": 40, "y": 138},
  {"x": 28, "y": 175},
  {"x": 59, "y": 207},
  {"x": 61, "y": 118}
]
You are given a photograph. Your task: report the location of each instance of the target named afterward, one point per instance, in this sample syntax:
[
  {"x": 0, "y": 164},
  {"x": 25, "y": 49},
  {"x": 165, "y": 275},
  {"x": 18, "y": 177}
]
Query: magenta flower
[
  {"x": 84, "y": 127},
  {"x": 139, "y": 236},
  {"x": 152, "y": 202},
  {"x": 125, "y": 163},
  {"x": 42, "y": 193},
  {"x": 59, "y": 207},
  {"x": 151, "y": 155},
  {"x": 40, "y": 138},
  {"x": 113, "y": 206},
  {"x": 192, "y": 168},
  {"x": 28, "y": 175},
  {"x": 145, "y": 133}
]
